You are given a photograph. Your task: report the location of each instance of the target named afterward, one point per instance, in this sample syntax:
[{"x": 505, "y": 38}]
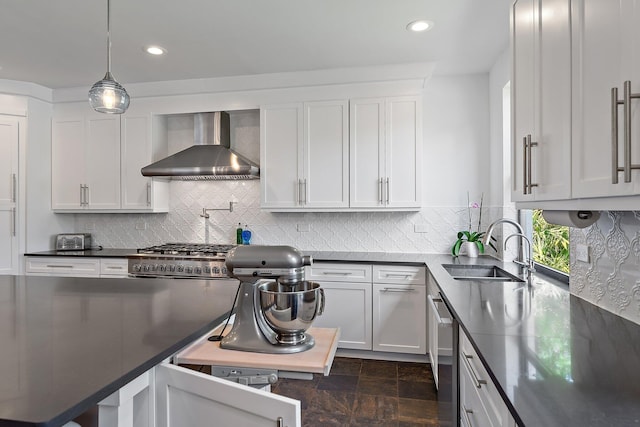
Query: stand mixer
[{"x": 276, "y": 305}]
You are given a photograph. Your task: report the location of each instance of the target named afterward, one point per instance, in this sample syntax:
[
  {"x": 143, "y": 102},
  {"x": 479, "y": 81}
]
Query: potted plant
[{"x": 471, "y": 241}]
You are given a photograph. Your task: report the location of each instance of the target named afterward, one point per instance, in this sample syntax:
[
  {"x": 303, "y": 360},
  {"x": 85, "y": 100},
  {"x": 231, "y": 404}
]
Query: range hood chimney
[{"x": 210, "y": 158}]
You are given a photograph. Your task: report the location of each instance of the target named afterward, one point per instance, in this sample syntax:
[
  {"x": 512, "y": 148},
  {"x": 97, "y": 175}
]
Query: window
[{"x": 550, "y": 242}]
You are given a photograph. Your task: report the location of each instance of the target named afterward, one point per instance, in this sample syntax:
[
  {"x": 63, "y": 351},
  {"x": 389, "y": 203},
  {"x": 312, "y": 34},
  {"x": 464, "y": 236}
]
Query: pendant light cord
[{"x": 109, "y": 37}]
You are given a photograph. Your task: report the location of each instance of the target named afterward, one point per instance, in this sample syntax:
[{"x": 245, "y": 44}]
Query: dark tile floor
[{"x": 361, "y": 392}]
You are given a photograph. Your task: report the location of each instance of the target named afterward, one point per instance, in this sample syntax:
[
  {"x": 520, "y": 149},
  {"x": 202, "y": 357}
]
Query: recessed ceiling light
[
  {"x": 155, "y": 50},
  {"x": 420, "y": 25}
]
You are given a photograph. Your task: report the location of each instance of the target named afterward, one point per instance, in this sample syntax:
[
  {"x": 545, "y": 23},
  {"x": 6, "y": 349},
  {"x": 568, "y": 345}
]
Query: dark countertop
[
  {"x": 67, "y": 343},
  {"x": 101, "y": 253},
  {"x": 556, "y": 359}
]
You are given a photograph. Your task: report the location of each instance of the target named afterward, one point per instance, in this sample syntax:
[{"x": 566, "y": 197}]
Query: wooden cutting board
[{"x": 317, "y": 360}]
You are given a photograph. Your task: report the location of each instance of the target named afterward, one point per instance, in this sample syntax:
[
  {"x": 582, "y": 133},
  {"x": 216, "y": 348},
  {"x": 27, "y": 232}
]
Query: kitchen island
[
  {"x": 68, "y": 343},
  {"x": 555, "y": 359}
]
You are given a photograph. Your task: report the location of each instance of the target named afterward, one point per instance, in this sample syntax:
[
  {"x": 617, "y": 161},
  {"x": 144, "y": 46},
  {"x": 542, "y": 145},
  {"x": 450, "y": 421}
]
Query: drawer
[
  {"x": 114, "y": 267},
  {"x": 336, "y": 272},
  {"x": 399, "y": 274},
  {"x": 59, "y": 266},
  {"x": 472, "y": 411},
  {"x": 491, "y": 400}
]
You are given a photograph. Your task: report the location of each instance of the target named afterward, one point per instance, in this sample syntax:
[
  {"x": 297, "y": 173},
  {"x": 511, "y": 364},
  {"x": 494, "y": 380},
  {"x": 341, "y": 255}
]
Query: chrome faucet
[
  {"x": 529, "y": 265},
  {"x": 521, "y": 260}
]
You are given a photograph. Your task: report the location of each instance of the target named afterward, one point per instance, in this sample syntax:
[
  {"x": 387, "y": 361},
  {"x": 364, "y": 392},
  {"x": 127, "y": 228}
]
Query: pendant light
[{"x": 107, "y": 95}]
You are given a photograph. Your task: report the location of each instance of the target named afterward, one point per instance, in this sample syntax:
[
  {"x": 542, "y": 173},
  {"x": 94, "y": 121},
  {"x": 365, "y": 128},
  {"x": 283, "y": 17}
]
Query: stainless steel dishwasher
[{"x": 443, "y": 350}]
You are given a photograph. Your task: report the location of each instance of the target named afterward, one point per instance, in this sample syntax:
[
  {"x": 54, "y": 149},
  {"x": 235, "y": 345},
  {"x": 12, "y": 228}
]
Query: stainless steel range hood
[{"x": 210, "y": 158}]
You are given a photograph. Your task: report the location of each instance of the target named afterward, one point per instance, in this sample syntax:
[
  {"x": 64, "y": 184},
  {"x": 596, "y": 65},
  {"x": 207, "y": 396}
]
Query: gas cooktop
[
  {"x": 188, "y": 249},
  {"x": 195, "y": 260}
]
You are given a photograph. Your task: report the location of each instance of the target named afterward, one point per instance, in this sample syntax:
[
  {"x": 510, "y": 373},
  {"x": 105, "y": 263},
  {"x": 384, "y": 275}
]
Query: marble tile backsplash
[
  {"x": 341, "y": 231},
  {"x": 611, "y": 279}
]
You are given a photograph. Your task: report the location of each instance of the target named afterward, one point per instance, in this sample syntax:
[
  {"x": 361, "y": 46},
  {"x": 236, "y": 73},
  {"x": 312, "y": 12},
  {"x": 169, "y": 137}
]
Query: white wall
[{"x": 456, "y": 127}]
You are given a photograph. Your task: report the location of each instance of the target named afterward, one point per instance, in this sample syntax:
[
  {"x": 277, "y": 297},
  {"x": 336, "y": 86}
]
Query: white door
[
  {"x": 67, "y": 163},
  {"x": 326, "y": 154},
  {"x": 399, "y": 318},
  {"x": 136, "y": 152},
  {"x": 9, "y": 146},
  {"x": 281, "y": 134},
  {"x": 605, "y": 42},
  {"x": 403, "y": 153},
  {"x": 102, "y": 158},
  {"x": 348, "y": 307},
  {"x": 189, "y": 398},
  {"x": 366, "y": 157}
]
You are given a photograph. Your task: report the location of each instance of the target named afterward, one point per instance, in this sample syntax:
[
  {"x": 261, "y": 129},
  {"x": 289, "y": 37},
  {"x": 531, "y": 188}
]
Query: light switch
[{"x": 582, "y": 253}]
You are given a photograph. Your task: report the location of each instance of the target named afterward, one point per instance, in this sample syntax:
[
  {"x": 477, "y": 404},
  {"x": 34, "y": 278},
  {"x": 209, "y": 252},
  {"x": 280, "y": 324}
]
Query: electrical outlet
[
  {"x": 303, "y": 228},
  {"x": 582, "y": 253},
  {"x": 141, "y": 225},
  {"x": 420, "y": 228}
]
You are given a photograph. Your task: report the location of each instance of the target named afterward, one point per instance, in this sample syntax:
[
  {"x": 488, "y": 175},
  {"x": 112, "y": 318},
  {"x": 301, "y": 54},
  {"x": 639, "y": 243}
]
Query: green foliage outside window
[{"x": 550, "y": 243}]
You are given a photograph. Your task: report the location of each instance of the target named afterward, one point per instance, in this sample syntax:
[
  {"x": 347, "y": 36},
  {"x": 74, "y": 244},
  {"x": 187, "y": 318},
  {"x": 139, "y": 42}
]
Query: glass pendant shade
[{"x": 108, "y": 96}]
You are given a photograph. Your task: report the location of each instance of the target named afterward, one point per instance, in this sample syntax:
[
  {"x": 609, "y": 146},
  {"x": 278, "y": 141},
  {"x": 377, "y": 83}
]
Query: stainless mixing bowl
[{"x": 290, "y": 309}]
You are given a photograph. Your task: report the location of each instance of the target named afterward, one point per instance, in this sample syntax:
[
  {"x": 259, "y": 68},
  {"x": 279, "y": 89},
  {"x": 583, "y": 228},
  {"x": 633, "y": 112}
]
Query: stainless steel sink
[{"x": 480, "y": 272}]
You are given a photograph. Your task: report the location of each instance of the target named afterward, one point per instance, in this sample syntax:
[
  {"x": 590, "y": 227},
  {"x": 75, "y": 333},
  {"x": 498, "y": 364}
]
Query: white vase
[{"x": 470, "y": 249}]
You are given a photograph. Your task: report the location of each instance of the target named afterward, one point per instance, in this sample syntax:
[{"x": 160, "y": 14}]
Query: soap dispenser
[
  {"x": 246, "y": 235},
  {"x": 239, "y": 234}
]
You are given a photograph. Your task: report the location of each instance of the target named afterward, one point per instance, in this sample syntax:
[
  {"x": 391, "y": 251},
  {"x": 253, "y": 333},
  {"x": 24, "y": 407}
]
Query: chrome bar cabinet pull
[
  {"x": 148, "y": 194},
  {"x": 524, "y": 165},
  {"x": 466, "y": 412},
  {"x": 476, "y": 378},
  {"x": 14, "y": 188},
  {"x": 14, "y": 220},
  {"x": 628, "y": 166},
  {"x": 380, "y": 191}
]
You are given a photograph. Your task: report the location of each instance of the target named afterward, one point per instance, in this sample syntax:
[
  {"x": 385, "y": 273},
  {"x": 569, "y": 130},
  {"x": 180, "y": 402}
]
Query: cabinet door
[
  {"x": 605, "y": 40},
  {"x": 67, "y": 163},
  {"x": 8, "y": 240},
  {"x": 326, "y": 155},
  {"x": 9, "y": 145},
  {"x": 366, "y": 156},
  {"x": 399, "y": 318},
  {"x": 102, "y": 157},
  {"x": 403, "y": 153},
  {"x": 522, "y": 90},
  {"x": 136, "y": 152},
  {"x": 189, "y": 398},
  {"x": 541, "y": 79},
  {"x": 348, "y": 307},
  {"x": 281, "y": 133}
]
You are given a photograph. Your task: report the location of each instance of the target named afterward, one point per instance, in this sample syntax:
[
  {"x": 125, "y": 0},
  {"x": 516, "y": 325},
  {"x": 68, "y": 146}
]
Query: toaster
[{"x": 73, "y": 241}]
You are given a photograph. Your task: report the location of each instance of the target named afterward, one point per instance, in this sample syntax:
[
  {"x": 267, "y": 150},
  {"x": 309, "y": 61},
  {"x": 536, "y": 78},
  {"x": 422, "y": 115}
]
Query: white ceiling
[{"x": 62, "y": 43}]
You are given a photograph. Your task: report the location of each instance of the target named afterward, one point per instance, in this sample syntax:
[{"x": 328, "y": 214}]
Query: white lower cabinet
[
  {"x": 379, "y": 307},
  {"x": 480, "y": 403},
  {"x": 65, "y": 266},
  {"x": 171, "y": 396},
  {"x": 347, "y": 289}
]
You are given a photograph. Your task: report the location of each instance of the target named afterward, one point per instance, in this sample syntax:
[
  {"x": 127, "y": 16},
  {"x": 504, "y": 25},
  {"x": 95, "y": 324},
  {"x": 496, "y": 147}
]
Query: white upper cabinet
[
  {"x": 326, "y": 154},
  {"x": 606, "y": 39},
  {"x": 143, "y": 140},
  {"x": 281, "y": 133},
  {"x": 386, "y": 153},
  {"x": 305, "y": 155},
  {"x": 96, "y": 162},
  {"x": 541, "y": 100}
]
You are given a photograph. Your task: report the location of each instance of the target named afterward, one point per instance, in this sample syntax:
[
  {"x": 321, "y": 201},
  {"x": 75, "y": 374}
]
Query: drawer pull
[
  {"x": 391, "y": 275},
  {"x": 114, "y": 267},
  {"x": 337, "y": 273},
  {"x": 398, "y": 290},
  {"x": 476, "y": 379},
  {"x": 434, "y": 308},
  {"x": 466, "y": 412},
  {"x": 59, "y": 266}
]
